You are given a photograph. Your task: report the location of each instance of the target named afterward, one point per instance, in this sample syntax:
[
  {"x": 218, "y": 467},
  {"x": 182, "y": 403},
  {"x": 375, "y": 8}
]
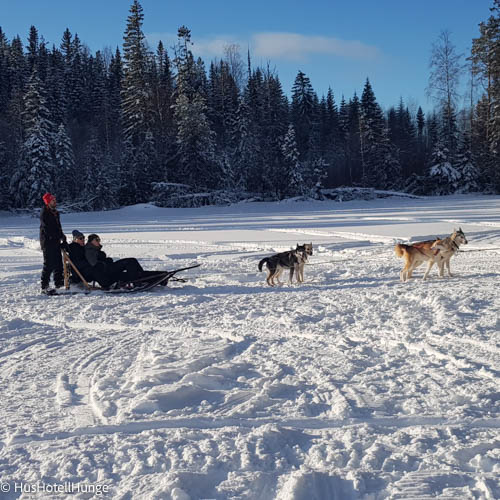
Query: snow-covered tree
[
  {"x": 444, "y": 176},
  {"x": 469, "y": 173},
  {"x": 290, "y": 181},
  {"x": 302, "y": 110},
  {"x": 64, "y": 165},
  {"x": 36, "y": 172},
  {"x": 380, "y": 164},
  {"x": 135, "y": 93},
  {"x": 195, "y": 143},
  {"x": 99, "y": 190}
]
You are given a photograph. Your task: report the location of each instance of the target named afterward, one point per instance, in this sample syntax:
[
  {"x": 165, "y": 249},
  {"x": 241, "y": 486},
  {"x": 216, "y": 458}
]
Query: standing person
[{"x": 51, "y": 238}]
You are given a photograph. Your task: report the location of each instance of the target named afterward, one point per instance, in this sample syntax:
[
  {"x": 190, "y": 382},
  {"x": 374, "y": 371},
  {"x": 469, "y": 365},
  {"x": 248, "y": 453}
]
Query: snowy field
[{"x": 350, "y": 386}]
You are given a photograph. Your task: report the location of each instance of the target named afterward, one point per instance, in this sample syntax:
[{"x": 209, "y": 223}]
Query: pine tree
[
  {"x": 162, "y": 125},
  {"x": 195, "y": 143},
  {"x": 302, "y": 111},
  {"x": 4, "y": 75},
  {"x": 485, "y": 57},
  {"x": 36, "y": 172},
  {"x": 33, "y": 48},
  {"x": 99, "y": 191},
  {"x": 56, "y": 96},
  {"x": 114, "y": 105},
  {"x": 290, "y": 181},
  {"x": 421, "y": 141},
  {"x": 243, "y": 146},
  {"x": 64, "y": 165},
  {"x": 197, "y": 165},
  {"x": 5, "y": 195},
  {"x": 135, "y": 94},
  {"x": 381, "y": 168},
  {"x": 444, "y": 176},
  {"x": 468, "y": 172}
]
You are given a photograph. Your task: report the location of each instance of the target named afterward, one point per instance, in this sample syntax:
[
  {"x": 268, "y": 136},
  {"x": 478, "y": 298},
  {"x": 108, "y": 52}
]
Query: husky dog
[
  {"x": 277, "y": 263},
  {"x": 294, "y": 260},
  {"x": 304, "y": 252},
  {"x": 447, "y": 248},
  {"x": 427, "y": 251}
]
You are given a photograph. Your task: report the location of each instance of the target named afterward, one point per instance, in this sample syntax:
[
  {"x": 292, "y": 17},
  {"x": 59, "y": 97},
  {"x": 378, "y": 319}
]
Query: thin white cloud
[
  {"x": 203, "y": 47},
  {"x": 297, "y": 47},
  {"x": 275, "y": 46}
]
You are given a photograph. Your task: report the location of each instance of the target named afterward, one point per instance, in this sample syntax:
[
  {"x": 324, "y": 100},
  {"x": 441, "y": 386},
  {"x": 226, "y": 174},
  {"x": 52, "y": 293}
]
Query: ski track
[{"x": 352, "y": 385}]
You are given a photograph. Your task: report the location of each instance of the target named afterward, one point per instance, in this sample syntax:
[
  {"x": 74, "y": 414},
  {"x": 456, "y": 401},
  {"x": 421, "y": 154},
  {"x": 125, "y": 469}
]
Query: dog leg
[
  {"x": 448, "y": 267},
  {"x": 429, "y": 267},
  {"x": 406, "y": 272},
  {"x": 277, "y": 275},
  {"x": 441, "y": 269},
  {"x": 269, "y": 278}
]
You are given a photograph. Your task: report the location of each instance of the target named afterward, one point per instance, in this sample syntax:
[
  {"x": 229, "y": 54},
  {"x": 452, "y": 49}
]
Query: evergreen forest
[{"x": 141, "y": 124}]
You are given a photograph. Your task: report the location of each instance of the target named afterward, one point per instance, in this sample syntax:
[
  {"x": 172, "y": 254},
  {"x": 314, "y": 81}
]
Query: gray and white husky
[
  {"x": 305, "y": 251},
  {"x": 294, "y": 260}
]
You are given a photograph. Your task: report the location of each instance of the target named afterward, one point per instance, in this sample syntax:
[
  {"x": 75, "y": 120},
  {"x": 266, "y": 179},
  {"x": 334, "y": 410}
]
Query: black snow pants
[{"x": 52, "y": 263}]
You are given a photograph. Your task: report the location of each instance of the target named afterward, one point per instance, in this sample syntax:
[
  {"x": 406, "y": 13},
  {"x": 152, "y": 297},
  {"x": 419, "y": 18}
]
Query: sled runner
[{"x": 139, "y": 285}]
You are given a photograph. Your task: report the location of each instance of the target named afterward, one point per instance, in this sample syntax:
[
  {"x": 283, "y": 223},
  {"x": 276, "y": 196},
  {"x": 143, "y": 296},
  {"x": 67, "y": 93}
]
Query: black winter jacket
[
  {"x": 77, "y": 256},
  {"x": 51, "y": 233},
  {"x": 94, "y": 254}
]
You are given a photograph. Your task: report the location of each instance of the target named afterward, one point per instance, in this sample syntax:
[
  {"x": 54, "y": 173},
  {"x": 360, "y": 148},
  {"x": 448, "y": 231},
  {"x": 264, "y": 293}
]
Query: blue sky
[{"x": 335, "y": 43}]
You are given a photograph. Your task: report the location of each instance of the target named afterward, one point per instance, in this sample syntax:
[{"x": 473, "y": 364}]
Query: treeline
[{"x": 110, "y": 129}]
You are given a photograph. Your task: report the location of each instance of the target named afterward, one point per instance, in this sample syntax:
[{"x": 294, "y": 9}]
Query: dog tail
[
  {"x": 262, "y": 262},
  {"x": 400, "y": 249}
]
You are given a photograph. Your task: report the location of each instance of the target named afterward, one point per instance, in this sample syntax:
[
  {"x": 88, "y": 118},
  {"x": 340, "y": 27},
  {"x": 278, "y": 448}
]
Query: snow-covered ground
[{"x": 350, "y": 386}]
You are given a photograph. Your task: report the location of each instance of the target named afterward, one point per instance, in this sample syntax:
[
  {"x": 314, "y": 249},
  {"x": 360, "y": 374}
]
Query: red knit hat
[{"x": 47, "y": 198}]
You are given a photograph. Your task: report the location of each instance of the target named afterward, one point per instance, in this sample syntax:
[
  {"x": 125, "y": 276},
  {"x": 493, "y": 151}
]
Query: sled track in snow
[{"x": 198, "y": 423}]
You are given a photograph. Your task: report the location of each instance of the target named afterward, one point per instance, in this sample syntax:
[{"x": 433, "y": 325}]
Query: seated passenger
[
  {"x": 76, "y": 251},
  {"x": 122, "y": 270}
]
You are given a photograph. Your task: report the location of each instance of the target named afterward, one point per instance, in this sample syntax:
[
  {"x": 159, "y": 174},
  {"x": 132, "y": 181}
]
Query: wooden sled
[{"x": 139, "y": 285}]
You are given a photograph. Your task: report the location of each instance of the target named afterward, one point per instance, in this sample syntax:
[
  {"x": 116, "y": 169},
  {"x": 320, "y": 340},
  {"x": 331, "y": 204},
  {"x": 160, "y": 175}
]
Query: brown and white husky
[
  {"x": 438, "y": 251},
  {"x": 447, "y": 248}
]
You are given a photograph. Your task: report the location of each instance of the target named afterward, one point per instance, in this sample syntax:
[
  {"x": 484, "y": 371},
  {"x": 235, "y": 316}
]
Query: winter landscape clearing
[{"x": 350, "y": 386}]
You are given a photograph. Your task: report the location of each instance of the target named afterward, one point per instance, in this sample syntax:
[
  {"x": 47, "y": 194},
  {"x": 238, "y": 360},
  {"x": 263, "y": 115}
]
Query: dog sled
[{"x": 143, "y": 284}]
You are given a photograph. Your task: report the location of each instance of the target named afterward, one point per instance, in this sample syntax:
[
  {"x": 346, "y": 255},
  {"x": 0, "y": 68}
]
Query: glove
[{"x": 65, "y": 246}]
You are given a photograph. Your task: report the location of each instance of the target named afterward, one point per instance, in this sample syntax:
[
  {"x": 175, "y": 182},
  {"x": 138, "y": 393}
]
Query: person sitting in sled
[
  {"x": 51, "y": 240},
  {"x": 123, "y": 270},
  {"x": 76, "y": 250}
]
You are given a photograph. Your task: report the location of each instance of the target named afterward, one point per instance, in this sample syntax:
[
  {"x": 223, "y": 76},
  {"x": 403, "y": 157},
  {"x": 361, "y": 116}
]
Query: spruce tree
[
  {"x": 485, "y": 56},
  {"x": 468, "y": 172},
  {"x": 197, "y": 165},
  {"x": 380, "y": 165},
  {"x": 243, "y": 147},
  {"x": 36, "y": 172},
  {"x": 302, "y": 110},
  {"x": 290, "y": 181},
  {"x": 135, "y": 94},
  {"x": 64, "y": 165},
  {"x": 444, "y": 176}
]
